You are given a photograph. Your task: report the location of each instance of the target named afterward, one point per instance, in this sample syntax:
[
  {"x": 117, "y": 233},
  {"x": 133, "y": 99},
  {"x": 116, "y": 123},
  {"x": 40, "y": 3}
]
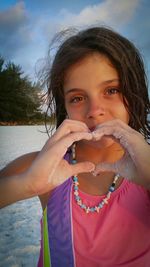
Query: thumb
[
  {"x": 83, "y": 167},
  {"x": 104, "y": 166}
]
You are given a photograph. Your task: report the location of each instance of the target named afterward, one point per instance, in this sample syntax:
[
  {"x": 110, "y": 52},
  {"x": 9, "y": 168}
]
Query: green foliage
[{"x": 20, "y": 101}]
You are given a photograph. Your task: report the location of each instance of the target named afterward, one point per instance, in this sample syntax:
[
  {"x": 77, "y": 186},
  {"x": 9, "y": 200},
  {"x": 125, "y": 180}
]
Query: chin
[{"x": 103, "y": 143}]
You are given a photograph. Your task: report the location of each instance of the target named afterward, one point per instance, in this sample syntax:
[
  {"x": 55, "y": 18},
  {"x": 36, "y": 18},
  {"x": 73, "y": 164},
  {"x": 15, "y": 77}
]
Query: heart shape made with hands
[
  {"x": 124, "y": 166},
  {"x": 100, "y": 140},
  {"x": 134, "y": 162}
]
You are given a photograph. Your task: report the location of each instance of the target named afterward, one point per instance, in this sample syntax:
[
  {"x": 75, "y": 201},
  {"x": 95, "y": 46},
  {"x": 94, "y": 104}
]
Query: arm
[
  {"x": 43, "y": 171},
  {"x": 12, "y": 180}
]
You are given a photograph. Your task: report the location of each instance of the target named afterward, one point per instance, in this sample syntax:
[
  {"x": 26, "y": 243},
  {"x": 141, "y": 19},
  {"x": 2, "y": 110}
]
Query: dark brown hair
[{"x": 123, "y": 55}]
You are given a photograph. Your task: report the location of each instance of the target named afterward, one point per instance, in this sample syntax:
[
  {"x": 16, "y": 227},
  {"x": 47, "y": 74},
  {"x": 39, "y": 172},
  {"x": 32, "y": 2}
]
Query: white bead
[{"x": 76, "y": 193}]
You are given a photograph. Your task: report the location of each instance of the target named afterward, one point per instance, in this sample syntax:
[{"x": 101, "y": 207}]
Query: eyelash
[
  {"x": 112, "y": 89},
  {"x": 79, "y": 98}
]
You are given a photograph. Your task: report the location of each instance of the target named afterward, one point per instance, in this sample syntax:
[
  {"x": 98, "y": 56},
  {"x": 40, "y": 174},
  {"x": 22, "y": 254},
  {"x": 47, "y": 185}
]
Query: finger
[
  {"x": 82, "y": 167},
  {"x": 56, "y": 152},
  {"x": 67, "y": 127},
  {"x": 115, "y": 123},
  {"x": 120, "y": 135},
  {"x": 64, "y": 143},
  {"x": 116, "y": 128},
  {"x": 124, "y": 167},
  {"x": 104, "y": 167}
]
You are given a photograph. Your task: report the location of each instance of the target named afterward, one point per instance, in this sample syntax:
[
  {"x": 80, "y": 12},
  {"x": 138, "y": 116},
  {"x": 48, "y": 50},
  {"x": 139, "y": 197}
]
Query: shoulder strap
[{"x": 57, "y": 228}]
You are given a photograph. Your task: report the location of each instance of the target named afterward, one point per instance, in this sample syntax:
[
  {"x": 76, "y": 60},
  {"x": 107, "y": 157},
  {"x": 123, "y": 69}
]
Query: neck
[
  {"x": 110, "y": 154},
  {"x": 97, "y": 185}
]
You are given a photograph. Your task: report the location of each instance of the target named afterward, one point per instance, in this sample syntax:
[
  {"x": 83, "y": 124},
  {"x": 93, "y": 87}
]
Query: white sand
[
  {"x": 20, "y": 222},
  {"x": 20, "y": 234}
]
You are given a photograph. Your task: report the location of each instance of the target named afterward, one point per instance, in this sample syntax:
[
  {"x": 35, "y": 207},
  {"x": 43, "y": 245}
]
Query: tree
[{"x": 20, "y": 101}]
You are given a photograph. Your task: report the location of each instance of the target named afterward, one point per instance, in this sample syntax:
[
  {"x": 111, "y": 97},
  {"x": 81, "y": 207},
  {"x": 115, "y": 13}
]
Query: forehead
[{"x": 95, "y": 67}]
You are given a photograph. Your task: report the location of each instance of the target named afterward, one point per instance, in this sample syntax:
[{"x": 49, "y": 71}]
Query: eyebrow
[{"x": 79, "y": 89}]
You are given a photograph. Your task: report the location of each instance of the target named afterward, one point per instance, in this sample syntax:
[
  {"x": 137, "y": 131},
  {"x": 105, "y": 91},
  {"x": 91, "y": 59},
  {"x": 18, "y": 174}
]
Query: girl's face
[{"x": 92, "y": 92}]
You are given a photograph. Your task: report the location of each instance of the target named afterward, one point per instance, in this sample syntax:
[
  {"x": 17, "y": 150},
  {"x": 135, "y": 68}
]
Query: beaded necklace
[{"x": 79, "y": 201}]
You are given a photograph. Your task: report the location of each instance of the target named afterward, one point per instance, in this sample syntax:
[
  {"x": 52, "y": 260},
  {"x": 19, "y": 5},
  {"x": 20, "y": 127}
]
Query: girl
[{"x": 100, "y": 216}]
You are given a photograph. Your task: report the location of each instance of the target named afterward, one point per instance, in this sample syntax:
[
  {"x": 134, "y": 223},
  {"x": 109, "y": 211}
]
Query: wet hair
[{"x": 123, "y": 55}]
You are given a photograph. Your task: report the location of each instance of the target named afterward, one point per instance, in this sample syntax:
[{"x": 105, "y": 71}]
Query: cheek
[
  {"x": 75, "y": 113},
  {"x": 122, "y": 114}
]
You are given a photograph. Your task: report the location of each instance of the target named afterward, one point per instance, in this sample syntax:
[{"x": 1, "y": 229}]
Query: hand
[
  {"x": 49, "y": 169},
  {"x": 135, "y": 164}
]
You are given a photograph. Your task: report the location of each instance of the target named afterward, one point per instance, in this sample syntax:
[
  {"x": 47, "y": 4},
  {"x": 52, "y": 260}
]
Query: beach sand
[{"x": 20, "y": 234}]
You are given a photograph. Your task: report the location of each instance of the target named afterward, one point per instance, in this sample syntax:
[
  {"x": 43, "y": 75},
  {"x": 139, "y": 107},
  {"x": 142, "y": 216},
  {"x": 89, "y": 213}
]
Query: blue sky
[{"x": 26, "y": 27}]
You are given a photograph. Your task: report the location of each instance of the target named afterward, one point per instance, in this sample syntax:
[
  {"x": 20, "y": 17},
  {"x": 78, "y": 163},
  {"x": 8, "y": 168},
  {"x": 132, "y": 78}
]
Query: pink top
[{"x": 119, "y": 235}]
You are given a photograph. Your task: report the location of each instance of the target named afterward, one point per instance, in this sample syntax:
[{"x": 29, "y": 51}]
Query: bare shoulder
[{"x": 19, "y": 164}]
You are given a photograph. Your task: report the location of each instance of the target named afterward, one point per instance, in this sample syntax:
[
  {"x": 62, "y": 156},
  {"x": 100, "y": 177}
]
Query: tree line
[{"x": 20, "y": 100}]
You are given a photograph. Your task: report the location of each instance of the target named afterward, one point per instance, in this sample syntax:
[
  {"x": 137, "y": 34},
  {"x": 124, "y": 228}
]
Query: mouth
[{"x": 92, "y": 129}]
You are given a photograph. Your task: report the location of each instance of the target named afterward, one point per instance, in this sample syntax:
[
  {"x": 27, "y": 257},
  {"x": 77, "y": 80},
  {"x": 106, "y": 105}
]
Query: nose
[{"x": 96, "y": 108}]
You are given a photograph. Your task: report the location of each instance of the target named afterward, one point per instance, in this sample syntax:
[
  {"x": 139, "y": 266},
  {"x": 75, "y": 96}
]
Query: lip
[{"x": 92, "y": 129}]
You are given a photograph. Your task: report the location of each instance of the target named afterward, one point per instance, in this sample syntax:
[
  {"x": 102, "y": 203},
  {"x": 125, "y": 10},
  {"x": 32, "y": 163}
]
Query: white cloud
[
  {"x": 114, "y": 13},
  {"x": 24, "y": 37},
  {"x": 110, "y": 12},
  {"x": 17, "y": 36},
  {"x": 15, "y": 29},
  {"x": 14, "y": 16}
]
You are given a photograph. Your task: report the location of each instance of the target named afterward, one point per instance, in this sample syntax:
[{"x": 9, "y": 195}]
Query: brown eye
[
  {"x": 112, "y": 91},
  {"x": 77, "y": 99}
]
